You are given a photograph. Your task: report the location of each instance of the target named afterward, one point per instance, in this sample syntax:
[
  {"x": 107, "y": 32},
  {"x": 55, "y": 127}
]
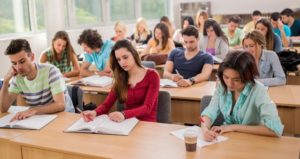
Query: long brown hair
[
  {"x": 121, "y": 76},
  {"x": 69, "y": 49},
  {"x": 270, "y": 35},
  {"x": 165, "y": 34}
]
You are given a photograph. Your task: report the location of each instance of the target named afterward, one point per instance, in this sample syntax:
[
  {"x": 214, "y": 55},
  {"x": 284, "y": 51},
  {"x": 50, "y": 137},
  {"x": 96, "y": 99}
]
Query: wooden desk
[
  {"x": 8, "y": 149},
  {"x": 287, "y": 99},
  {"x": 147, "y": 140}
]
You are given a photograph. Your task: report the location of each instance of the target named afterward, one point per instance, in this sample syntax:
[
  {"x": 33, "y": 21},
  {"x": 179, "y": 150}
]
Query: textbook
[
  {"x": 167, "y": 83},
  {"x": 34, "y": 122},
  {"x": 200, "y": 141},
  {"x": 103, "y": 125},
  {"x": 95, "y": 80}
]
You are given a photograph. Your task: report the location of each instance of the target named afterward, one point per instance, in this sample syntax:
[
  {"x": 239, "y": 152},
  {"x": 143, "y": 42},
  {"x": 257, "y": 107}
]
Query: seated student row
[{"x": 137, "y": 87}]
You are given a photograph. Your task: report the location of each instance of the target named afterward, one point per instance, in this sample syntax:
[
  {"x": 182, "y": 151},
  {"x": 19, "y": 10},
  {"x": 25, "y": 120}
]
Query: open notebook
[
  {"x": 200, "y": 142},
  {"x": 103, "y": 125},
  {"x": 167, "y": 83},
  {"x": 95, "y": 80},
  {"x": 34, "y": 122}
]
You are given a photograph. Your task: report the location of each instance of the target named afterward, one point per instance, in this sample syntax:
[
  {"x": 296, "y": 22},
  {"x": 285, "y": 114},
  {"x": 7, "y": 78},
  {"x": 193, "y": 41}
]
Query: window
[
  {"x": 40, "y": 16},
  {"x": 88, "y": 12},
  {"x": 122, "y": 10},
  {"x": 154, "y": 9},
  {"x": 14, "y": 16}
]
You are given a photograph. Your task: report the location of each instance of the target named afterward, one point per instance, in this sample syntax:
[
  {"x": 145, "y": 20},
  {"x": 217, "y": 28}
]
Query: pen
[
  {"x": 79, "y": 110},
  {"x": 177, "y": 72}
]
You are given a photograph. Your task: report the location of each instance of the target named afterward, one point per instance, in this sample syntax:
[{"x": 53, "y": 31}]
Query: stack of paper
[
  {"x": 167, "y": 83},
  {"x": 95, "y": 80},
  {"x": 200, "y": 142}
]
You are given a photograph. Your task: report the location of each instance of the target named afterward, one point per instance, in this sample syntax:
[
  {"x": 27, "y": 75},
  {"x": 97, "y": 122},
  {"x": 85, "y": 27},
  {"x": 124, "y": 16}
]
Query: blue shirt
[
  {"x": 277, "y": 43},
  {"x": 270, "y": 69},
  {"x": 253, "y": 107},
  {"x": 100, "y": 58},
  {"x": 188, "y": 68},
  {"x": 286, "y": 30},
  {"x": 295, "y": 28}
]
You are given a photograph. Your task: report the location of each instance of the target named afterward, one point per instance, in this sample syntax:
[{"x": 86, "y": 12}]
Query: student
[
  {"x": 256, "y": 15},
  {"x": 280, "y": 29},
  {"x": 187, "y": 21},
  {"x": 159, "y": 46},
  {"x": 273, "y": 41},
  {"x": 41, "y": 85},
  {"x": 166, "y": 20},
  {"x": 287, "y": 16},
  {"x": 62, "y": 55},
  {"x": 269, "y": 67},
  {"x": 243, "y": 102},
  {"x": 142, "y": 34},
  {"x": 96, "y": 52},
  {"x": 188, "y": 65},
  {"x": 201, "y": 17},
  {"x": 120, "y": 31},
  {"x": 134, "y": 86},
  {"x": 234, "y": 34},
  {"x": 214, "y": 40}
]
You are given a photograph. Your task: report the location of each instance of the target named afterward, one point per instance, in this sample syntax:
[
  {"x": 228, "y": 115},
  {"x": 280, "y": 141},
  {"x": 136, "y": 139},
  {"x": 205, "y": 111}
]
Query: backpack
[{"x": 289, "y": 60}]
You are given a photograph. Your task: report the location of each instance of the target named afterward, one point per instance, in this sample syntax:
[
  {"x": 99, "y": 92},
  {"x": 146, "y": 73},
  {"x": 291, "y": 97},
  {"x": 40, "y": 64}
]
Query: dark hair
[
  {"x": 275, "y": 16},
  {"x": 69, "y": 49},
  {"x": 91, "y": 38},
  {"x": 18, "y": 45},
  {"x": 270, "y": 35},
  {"x": 216, "y": 27},
  {"x": 242, "y": 62},
  {"x": 256, "y": 13},
  {"x": 189, "y": 19},
  {"x": 288, "y": 12},
  {"x": 165, "y": 34},
  {"x": 235, "y": 19},
  {"x": 190, "y": 31},
  {"x": 164, "y": 19},
  {"x": 120, "y": 85}
]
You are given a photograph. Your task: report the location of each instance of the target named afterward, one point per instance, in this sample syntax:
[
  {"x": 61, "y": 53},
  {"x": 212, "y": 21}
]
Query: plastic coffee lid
[{"x": 191, "y": 133}]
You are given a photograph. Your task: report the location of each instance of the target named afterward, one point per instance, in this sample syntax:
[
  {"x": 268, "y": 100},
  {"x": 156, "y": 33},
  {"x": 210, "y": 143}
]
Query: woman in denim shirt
[
  {"x": 269, "y": 67},
  {"x": 244, "y": 103}
]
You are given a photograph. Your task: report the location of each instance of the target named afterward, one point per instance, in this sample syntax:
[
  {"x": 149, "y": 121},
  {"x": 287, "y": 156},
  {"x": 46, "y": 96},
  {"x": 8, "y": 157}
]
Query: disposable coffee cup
[{"x": 190, "y": 139}]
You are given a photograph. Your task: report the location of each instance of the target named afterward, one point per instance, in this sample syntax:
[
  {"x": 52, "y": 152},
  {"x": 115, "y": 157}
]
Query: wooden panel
[
  {"x": 185, "y": 111},
  {"x": 96, "y": 98},
  {"x": 35, "y": 153},
  {"x": 9, "y": 150},
  {"x": 292, "y": 79},
  {"x": 287, "y": 117}
]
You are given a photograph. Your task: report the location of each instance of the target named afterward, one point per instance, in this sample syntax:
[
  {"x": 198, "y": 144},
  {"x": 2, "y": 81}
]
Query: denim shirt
[
  {"x": 253, "y": 107},
  {"x": 270, "y": 69}
]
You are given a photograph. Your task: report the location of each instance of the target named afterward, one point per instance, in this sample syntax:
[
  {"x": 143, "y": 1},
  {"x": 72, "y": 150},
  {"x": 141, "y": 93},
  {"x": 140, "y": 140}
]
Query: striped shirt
[{"x": 40, "y": 91}]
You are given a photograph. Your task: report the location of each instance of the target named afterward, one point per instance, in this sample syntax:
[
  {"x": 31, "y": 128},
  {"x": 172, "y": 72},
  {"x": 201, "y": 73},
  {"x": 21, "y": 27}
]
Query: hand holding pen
[
  {"x": 208, "y": 134},
  {"x": 88, "y": 115},
  {"x": 176, "y": 77}
]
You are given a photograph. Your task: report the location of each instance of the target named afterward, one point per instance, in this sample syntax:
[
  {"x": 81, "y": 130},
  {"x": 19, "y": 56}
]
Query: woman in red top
[{"x": 134, "y": 86}]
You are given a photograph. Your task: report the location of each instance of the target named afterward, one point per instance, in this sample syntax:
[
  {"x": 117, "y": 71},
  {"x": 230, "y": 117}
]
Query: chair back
[
  {"x": 164, "y": 107},
  {"x": 149, "y": 64},
  {"x": 76, "y": 95},
  {"x": 204, "y": 103}
]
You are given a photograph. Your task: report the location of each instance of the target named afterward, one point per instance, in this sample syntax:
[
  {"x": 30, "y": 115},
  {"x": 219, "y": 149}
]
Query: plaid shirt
[{"x": 62, "y": 65}]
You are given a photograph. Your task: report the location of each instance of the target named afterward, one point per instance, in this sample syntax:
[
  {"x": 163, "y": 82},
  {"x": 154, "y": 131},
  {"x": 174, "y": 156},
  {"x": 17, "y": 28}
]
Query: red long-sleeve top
[{"x": 141, "y": 101}]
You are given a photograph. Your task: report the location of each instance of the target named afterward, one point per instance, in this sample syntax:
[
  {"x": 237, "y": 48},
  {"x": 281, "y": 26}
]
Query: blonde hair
[
  {"x": 120, "y": 25},
  {"x": 205, "y": 17},
  {"x": 141, "y": 22}
]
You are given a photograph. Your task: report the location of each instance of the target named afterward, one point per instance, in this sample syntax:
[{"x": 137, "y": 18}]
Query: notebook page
[
  {"x": 121, "y": 128},
  {"x": 200, "y": 142},
  {"x": 35, "y": 122},
  {"x": 167, "y": 83}
]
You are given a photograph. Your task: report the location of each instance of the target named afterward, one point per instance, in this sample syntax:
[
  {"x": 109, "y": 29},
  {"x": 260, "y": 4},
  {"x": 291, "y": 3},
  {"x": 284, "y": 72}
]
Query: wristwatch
[{"x": 192, "y": 80}]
